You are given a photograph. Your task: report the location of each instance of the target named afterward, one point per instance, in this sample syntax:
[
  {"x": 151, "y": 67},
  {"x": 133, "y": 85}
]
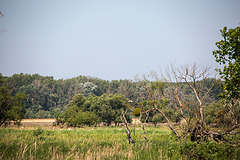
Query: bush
[
  {"x": 86, "y": 118},
  {"x": 209, "y": 150},
  {"x": 81, "y": 118},
  {"x": 136, "y": 112}
]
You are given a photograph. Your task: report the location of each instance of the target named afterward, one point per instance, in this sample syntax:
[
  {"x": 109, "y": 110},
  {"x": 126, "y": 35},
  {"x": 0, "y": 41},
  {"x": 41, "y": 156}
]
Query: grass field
[
  {"x": 87, "y": 143},
  {"x": 44, "y": 142}
]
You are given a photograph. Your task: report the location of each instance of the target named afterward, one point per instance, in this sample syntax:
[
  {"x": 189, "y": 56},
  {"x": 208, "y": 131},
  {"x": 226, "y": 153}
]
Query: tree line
[{"x": 46, "y": 97}]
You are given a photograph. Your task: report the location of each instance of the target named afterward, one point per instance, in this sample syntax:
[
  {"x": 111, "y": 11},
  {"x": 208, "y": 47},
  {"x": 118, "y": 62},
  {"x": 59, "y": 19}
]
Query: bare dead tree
[
  {"x": 192, "y": 112},
  {"x": 194, "y": 75},
  {"x": 126, "y": 128},
  {"x": 191, "y": 109}
]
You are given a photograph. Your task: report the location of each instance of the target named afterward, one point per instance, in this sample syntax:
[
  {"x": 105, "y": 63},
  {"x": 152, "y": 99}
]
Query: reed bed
[{"x": 88, "y": 143}]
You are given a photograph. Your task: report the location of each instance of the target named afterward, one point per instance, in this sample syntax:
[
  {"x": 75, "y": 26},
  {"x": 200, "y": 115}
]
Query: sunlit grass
[{"x": 85, "y": 143}]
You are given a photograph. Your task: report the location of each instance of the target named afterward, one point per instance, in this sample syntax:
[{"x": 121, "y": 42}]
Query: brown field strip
[{"x": 38, "y": 120}]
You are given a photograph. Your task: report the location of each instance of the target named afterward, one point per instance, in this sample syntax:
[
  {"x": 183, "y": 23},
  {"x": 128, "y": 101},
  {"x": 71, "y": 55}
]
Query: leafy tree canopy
[
  {"x": 94, "y": 109},
  {"x": 11, "y": 107},
  {"x": 228, "y": 53}
]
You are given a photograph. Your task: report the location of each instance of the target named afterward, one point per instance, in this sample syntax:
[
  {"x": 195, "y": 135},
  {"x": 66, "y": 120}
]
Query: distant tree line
[
  {"x": 11, "y": 107},
  {"x": 47, "y": 97}
]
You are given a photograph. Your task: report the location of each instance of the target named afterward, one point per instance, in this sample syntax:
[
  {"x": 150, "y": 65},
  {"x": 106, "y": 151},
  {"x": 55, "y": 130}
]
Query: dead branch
[
  {"x": 126, "y": 129},
  {"x": 143, "y": 128},
  {"x": 169, "y": 124}
]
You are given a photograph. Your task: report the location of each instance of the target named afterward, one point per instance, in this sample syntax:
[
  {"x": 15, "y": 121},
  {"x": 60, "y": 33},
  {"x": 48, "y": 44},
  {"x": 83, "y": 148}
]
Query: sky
[{"x": 110, "y": 39}]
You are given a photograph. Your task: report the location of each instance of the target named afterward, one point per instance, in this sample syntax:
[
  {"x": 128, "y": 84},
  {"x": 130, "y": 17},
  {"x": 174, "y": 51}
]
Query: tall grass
[
  {"x": 105, "y": 143},
  {"x": 88, "y": 143}
]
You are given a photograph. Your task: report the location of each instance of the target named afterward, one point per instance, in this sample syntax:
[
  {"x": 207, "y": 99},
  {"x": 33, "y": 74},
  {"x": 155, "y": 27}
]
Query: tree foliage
[
  {"x": 47, "y": 97},
  {"x": 228, "y": 53},
  {"x": 94, "y": 109},
  {"x": 11, "y": 107}
]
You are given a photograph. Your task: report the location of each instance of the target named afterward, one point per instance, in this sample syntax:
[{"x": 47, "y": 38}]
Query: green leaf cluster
[
  {"x": 228, "y": 53},
  {"x": 11, "y": 107}
]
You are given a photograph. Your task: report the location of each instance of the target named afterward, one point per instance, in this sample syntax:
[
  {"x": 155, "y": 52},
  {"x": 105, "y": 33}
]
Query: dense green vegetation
[
  {"x": 105, "y": 143},
  {"x": 11, "y": 107},
  {"x": 47, "y": 97},
  {"x": 92, "y": 110},
  {"x": 228, "y": 54}
]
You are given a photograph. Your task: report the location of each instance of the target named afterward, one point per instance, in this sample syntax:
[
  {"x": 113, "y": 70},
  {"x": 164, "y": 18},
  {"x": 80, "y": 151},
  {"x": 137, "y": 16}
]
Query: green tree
[
  {"x": 77, "y": 118},
  {"x": 77, "y": 112},
  {"x": 228, "y": 54},
  {"x": 88, "y": 88},
  {"x": 78, "y": 100},
  {"x": 87, "y": 118},
  {"x": 108, "y": 108},
  {"x": 215, "y": 113},
  {"x": 157, "y": 118},
  {"x": 11, "y": 107}
]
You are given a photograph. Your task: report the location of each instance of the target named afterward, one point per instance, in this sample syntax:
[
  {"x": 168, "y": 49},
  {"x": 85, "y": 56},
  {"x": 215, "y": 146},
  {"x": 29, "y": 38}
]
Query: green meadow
[
  {"x": 104, "y": 143},
  {"x": 87, "y": 143}
]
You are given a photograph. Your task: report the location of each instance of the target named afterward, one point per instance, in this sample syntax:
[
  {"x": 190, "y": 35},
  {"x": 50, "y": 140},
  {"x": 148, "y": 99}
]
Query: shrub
[
  {"x": 81, "y": 118},
  {"x": 86, "y": 118},
  {"x": 136, "y": 112},
  {"x": 209, "y": 150}
]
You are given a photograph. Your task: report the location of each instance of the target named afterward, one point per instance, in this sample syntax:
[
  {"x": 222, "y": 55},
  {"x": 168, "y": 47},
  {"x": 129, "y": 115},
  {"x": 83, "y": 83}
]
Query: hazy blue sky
[{"x": 110, "y": 39}]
